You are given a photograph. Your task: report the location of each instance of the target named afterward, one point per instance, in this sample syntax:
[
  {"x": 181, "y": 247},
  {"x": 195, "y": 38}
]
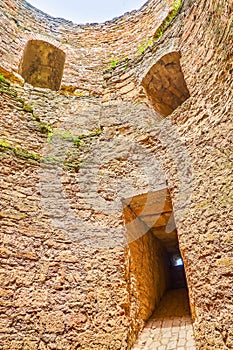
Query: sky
[{"x": 87, "y": 11}]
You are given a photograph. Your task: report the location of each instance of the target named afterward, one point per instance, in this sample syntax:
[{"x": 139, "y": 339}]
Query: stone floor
[{"x": 170, "y": 327}]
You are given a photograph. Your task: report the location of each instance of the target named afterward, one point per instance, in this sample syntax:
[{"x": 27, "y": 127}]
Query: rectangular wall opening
[{"x": 156, "y": 267}]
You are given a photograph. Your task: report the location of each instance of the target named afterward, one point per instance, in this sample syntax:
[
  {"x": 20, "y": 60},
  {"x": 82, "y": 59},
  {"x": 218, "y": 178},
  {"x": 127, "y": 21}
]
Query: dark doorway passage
[
  {"x": 177, "y": 273},
  {"x": 175, "y": 303},
  {"x": 155, "y": 259},
  {"x": 157, "y": 273}
]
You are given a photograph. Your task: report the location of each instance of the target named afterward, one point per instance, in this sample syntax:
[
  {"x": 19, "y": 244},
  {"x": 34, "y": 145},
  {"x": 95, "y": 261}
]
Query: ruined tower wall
[
  {"x": 65, "y": 280},
  {"x": 90, "y": 49}
]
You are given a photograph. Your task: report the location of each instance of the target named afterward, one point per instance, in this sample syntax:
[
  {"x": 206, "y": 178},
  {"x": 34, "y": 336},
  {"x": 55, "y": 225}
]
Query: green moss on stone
[
  {"x": 6, "y": 89},
  {"x": 27, "y": 108},
  {"x": 18, "y": 152},
  {"x": 4, "y": 80}
]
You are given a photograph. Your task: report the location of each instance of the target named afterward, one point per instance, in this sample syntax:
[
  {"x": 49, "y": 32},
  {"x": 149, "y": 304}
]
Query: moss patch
[
  {"x": 7, "y": 147},
  {"x": 5, "y": 87}
]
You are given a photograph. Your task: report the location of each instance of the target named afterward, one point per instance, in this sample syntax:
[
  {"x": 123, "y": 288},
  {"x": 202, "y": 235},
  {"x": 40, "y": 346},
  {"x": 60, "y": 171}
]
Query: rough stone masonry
[{"x": 142, "y": 105}]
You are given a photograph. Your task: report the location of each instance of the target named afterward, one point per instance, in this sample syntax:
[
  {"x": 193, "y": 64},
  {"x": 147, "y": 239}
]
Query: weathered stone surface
[{"x": 68, "y": 158}]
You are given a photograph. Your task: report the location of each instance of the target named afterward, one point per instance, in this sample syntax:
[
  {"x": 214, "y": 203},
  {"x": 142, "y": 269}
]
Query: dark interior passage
[
  {"x": 155, "y": 259},
  {"x": 175, "y": 303},
  {"x": 177, "y": 273}
]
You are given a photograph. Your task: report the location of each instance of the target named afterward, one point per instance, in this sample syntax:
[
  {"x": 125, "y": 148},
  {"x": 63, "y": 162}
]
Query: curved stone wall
[
  {"x": 68, "y": 158},
  {"x": 89, "y": 49}
]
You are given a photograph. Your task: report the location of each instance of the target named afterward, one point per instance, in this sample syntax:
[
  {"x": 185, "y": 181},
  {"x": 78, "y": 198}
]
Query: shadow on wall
[{"x": 42, "y": 64}]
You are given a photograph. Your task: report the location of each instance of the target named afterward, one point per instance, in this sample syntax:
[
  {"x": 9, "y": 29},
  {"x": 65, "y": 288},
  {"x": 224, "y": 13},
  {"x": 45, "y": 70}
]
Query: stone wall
[
  {"x": 89, "y": 48},
  {"x": 69, "y": 157}
]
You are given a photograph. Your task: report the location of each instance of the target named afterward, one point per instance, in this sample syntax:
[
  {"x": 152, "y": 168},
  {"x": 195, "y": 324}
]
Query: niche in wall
[
  {"x": 165, "y": 85},
  {"x": 42, "y": 64}
]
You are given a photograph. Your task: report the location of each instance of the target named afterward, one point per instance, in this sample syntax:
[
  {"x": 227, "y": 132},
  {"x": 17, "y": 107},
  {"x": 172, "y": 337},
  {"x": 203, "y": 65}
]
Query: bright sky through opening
[
  {"x": 87, "y": 11},
  {"x": 179, "y": 262}
]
